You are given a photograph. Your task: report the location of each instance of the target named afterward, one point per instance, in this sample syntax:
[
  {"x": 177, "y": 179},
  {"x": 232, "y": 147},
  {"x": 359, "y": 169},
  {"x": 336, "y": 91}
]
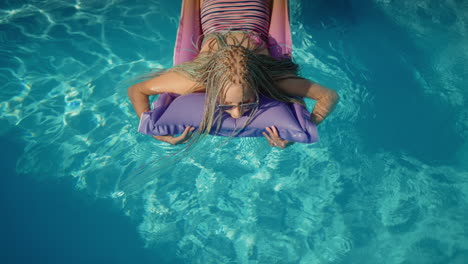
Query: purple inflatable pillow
[{"x": 172, "y": 113}]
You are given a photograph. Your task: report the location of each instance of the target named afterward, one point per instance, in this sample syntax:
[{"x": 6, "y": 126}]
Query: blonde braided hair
[{"x": 233, "y": 63}]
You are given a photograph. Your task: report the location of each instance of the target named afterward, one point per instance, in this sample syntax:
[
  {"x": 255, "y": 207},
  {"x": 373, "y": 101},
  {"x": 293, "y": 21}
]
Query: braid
[{"x": 234, "y": 64}]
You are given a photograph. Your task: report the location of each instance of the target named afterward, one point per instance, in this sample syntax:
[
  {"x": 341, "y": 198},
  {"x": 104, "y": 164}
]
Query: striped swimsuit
[{"x": 245, "y": 15}]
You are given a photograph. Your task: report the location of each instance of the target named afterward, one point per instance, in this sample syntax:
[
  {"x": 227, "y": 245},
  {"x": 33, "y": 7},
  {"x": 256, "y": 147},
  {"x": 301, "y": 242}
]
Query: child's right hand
[{"x": 183, "y": 138}]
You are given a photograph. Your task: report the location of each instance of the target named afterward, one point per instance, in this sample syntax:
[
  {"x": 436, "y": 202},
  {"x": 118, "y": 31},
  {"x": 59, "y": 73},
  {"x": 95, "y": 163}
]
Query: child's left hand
[{"x": 274, "y": 138}]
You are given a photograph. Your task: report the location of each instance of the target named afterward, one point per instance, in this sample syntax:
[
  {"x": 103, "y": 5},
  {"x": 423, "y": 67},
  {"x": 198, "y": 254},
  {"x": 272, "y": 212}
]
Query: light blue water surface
[{"x": 387, "y": 183}]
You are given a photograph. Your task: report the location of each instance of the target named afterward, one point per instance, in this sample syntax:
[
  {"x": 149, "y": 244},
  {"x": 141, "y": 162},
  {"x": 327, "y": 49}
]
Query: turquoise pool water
[{"x": 387, "y": 183}]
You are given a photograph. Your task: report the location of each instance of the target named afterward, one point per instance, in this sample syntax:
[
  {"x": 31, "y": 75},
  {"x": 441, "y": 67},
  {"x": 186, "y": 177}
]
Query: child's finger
[
  {"x": 267, "y": 136},
  {"x": 186, "y": 131},
  {"x": 275, "y": 131}
]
